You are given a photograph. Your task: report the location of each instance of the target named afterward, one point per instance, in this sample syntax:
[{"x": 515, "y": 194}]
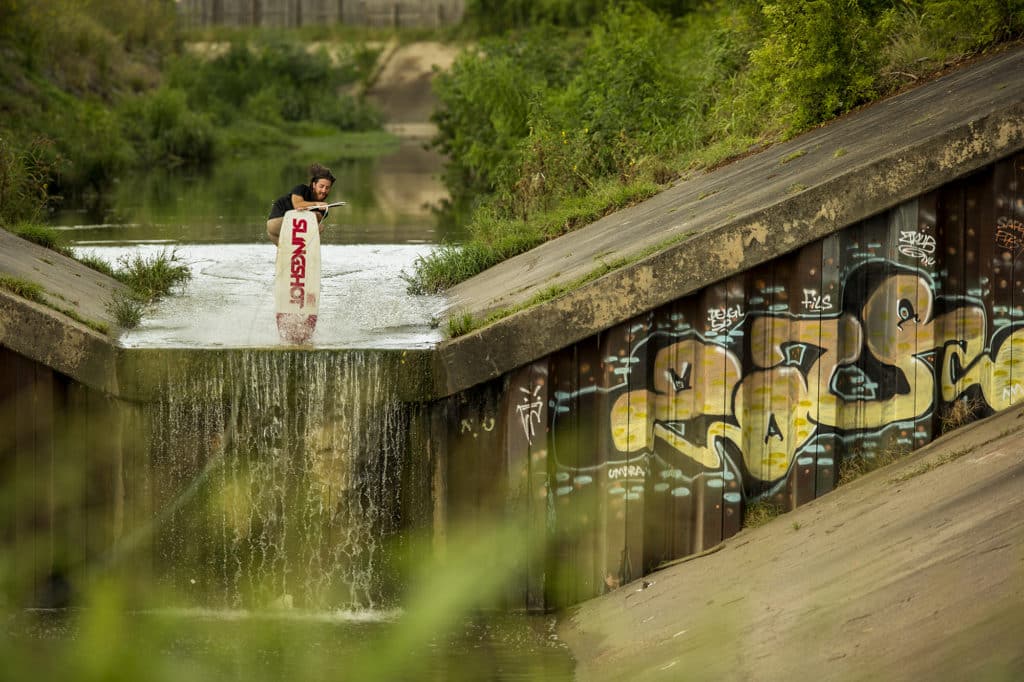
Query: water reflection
[
  {"x": 391, "y": 191},
  {"x": 241, "y": 645}
]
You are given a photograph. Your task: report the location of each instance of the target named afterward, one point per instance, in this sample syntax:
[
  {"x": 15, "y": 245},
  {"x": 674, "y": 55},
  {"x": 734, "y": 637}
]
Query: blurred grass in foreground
[{"x": 445, "y": 632}]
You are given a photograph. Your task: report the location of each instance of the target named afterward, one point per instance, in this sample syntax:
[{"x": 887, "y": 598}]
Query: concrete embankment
[
  {"x": 912, "y": 572},
  {"x": 62, "y": 333}
]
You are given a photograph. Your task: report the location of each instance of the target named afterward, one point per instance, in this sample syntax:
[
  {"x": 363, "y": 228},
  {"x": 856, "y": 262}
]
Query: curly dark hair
[{"x": 320, "y": 172}]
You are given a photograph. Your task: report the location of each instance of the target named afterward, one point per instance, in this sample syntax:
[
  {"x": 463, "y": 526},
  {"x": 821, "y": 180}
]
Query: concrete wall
[
  {"x": 66, "y": 453},
  {"x": 390, "y": 13},
  {"x": 646, "y": 442}
]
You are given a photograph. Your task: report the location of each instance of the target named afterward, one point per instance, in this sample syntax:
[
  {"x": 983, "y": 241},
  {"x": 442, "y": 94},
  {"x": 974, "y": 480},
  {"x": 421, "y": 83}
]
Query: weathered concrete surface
[
  {"x": 884, "y": 578},
  {"x": 739, "y": 216},
  {"x": 49, "y": 336}
]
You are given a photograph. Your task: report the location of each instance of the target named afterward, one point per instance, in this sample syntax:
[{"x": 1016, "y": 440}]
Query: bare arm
[{"x": 300, "y": 204}]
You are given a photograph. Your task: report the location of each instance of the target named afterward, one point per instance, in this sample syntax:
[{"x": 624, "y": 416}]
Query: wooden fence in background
[{"x": 388, "y": 13}]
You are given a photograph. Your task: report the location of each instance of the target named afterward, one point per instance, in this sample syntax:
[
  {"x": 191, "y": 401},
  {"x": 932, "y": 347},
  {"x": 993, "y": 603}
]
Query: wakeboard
[{"x": 297, "y": 277}]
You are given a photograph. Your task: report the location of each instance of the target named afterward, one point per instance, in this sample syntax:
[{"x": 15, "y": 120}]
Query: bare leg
[{"x": 274, "y": 229}]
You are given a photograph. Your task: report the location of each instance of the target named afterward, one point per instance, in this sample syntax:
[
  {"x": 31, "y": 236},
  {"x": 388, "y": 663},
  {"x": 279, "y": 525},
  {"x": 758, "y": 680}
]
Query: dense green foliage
[
  {"x": 91, "y": 90},
  {"x": 498, "y": 16},
  {"x": 563, "y": 98},
  {"x": 276, "y": 81}
]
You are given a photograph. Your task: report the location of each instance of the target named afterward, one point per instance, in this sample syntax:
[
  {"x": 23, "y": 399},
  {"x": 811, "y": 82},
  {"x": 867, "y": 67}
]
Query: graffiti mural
[{"x": 761, "y": 388}]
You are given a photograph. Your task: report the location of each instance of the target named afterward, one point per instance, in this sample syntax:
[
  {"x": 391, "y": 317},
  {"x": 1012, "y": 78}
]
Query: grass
[
  {"x": 98, "y": 264},
  {"x": 793, "y": 157},
  {"x": 33, "y": 292},
  {"x": 152, "y": 278},
  {"x": 925, "y": 467},
  {"x": 468, "y": 323},
  {"x": 20, "y": 287},
  {"x": 50, "y": 238},
  {"x": 760, "y": 513},
  {"x": 495, "y": 240},
  {"x": 43, "y": 236},
  {"x": 148, "y": 279},
  {"x": 91, "y": 324},
  {"x": 856, "y": 465},
  {"x": 126, "y": 309},
  {"x": 961, "y": 412},
  {"x": 460, "y": 325}
]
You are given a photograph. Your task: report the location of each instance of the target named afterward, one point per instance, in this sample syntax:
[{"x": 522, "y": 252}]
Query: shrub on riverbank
[
  {"x": 664, "y": 88},
  {"x": 111, "y": 85},
  {"x": 276, "y": 80}
]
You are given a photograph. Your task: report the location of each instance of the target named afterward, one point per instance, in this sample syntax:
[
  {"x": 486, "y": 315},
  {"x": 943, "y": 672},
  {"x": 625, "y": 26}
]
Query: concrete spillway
[
  {"x": 283, "y": 476},
  {"x": 805, "y": 307}
]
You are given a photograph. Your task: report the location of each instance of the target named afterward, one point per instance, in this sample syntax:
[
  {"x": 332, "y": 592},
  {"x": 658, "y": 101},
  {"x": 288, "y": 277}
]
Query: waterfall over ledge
[{"x": 283, "y": 477}]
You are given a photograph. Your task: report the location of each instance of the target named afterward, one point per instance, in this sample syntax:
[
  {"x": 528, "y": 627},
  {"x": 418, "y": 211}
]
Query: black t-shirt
[{"x": 284, "y": 204}]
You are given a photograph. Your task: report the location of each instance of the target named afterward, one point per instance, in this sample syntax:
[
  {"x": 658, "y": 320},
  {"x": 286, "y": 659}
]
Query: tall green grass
[
  {"x": 152, "y": 277},
  {"x": 26, "y": 167},
  {"x": 496, "y": 238},
  {"x": 561, "y": 98}
]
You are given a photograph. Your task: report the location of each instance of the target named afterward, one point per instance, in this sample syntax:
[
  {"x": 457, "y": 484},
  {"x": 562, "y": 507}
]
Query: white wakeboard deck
[{"x": 297, "y": 277}]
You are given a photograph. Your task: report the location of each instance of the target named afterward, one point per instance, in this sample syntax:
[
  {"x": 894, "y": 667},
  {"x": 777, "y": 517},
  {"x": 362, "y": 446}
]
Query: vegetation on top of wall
[
  {"x": 31, "y": 291},
  {"x": 44, "y": 236},
  {"x": 92, "y": 90},
  {"x": 153, "y": 277},
  {"x": 148, "y": 278},
  {"x": 560, "y": 98},
  {"x": 22, "y": 287}
]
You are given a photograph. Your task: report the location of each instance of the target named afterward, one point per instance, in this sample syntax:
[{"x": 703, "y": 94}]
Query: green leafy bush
[
  {"x": 94, "y": 147},
  {"x": 486, "y": 99},
  {"x": 627, "y": 100},
  {"x": 273, "y": 81},
  {"x": 818, "y": 59},
  {"x": 491, "y": 17},
  {"x": 967, "y": 25},
  {"x": 164, "y": 129}
]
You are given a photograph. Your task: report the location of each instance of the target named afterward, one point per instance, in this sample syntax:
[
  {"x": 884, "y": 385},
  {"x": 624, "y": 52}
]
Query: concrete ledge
[
  {"x": 143, "y": 372},
  {"x": 740, "y": 216},
  {"x": 59, "y": 342}
]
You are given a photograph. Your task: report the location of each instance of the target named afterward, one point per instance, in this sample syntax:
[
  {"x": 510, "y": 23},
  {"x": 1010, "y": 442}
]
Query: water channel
[
  {"x": 215, "y": 224},
  {"x": 284, "y": 479}
]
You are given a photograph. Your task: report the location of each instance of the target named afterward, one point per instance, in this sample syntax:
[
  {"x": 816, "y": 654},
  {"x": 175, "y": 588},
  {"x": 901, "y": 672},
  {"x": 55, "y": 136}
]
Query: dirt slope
[{"x": 915, "y": 571}]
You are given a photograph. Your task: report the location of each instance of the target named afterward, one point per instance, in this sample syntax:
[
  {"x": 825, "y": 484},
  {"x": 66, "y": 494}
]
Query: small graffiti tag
[
  {"x": 918, "y": 246},
  {"x": 720, "y": 319},
  {"x": 814, "y": 302},
  {"x": 529, "y": 411},
  {"x": 1010, "y": 234},
  {"x": 469, "y": 425},
  {"x": 1012, "y": 393},
  {"x": 627, "y": 471}
]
